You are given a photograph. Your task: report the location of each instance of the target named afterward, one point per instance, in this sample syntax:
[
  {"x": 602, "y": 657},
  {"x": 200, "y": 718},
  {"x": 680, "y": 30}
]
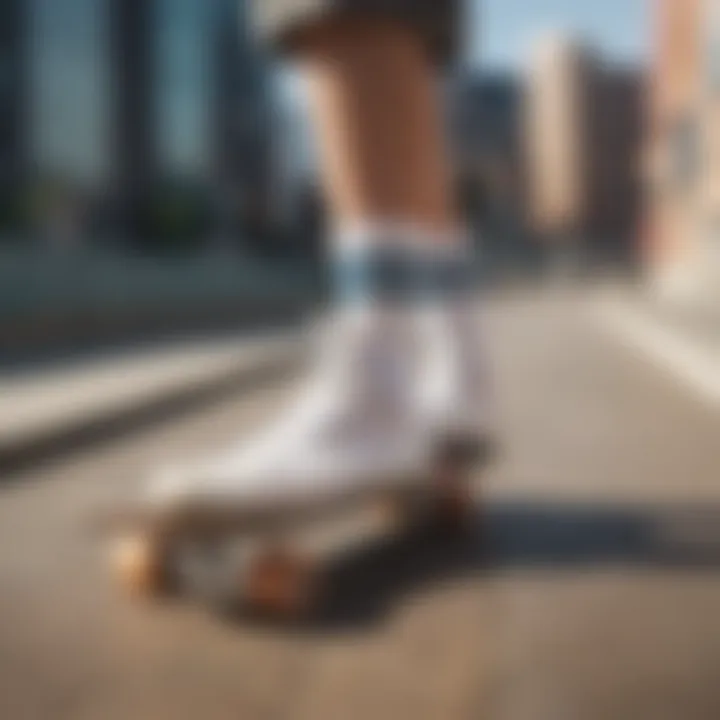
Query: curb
[{"x": 31, "y": 449}]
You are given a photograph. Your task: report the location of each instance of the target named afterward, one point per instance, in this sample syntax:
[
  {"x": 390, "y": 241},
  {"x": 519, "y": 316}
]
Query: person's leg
[
  {"x": 378, "y": 118},
  {"x": 395, "y": 242},
  {"x": 395, "y": 238},
  {"x": 378, "y": 121}
]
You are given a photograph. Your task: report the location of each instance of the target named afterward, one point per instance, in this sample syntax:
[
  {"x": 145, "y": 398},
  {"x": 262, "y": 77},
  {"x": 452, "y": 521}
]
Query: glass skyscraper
[
  {"x": 68, "y": 88},
  {"x": 124, "y": 96},
  {"x": 13, "y": 89}
]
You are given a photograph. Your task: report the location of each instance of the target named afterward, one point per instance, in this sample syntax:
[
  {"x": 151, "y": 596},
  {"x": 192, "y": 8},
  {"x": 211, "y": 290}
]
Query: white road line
[{"x": 696, "y": 367}]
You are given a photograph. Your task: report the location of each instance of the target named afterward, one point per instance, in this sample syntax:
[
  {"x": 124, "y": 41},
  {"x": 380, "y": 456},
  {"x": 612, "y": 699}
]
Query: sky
[{"x": 504, "y": 30}]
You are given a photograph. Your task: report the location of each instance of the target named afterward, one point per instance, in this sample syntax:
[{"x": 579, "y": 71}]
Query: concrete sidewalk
[
  {"x": 588, "y": 589},
  {"x": 683, "y": 340},
  {"x": 49, "y": 410}
]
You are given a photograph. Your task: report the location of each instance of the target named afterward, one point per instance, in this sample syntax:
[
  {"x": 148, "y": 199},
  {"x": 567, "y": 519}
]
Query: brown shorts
[{"x": 436, "y": 21}]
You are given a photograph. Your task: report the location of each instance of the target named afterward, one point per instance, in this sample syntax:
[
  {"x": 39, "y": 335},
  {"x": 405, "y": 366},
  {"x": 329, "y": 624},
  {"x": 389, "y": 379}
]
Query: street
[{"x": 589, "y": 590}]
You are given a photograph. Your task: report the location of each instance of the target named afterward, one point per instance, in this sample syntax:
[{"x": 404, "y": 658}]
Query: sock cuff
[
  {"x": 400, "y": 260},
  {"x": 389, "y": 274}
]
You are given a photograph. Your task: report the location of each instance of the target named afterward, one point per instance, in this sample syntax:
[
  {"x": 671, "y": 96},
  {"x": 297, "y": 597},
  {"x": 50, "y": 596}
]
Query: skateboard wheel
[
  {"x": 280, "y": 584},
  {"x": 142, "y": 565},
  {"x": 453, "y": 505},
  {"x": 454, "y": 508}
]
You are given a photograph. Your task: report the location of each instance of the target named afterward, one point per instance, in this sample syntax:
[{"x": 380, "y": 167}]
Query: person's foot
[
  {"x": 353, "y": 427},
  {"x": 455, "y": 390},
  {"x": 455, "y": 386}
]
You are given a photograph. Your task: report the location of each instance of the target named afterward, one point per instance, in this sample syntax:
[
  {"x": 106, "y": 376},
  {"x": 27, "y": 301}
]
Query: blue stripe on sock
[
  {"x": 449, "y": 277},
  {"x": 399, "y": 275}
]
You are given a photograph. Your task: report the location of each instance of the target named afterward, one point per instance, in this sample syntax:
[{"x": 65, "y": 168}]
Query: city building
[
  {"x": 556, "y": 129},
  {"x": 488, "y": 159},
  {"x": 130, "y": 120},
  {"x": 616, "y": 193},
  {"x": 13, "y": 110},
  {"x": 133, "y": 110},
  {"x": 242, "y": 140},
  {"x": 582, "y": 128},
  {"x": 682, "y": 233},
  {"x": 485, "y": 135},
  {"x": 192, "y": 137}
]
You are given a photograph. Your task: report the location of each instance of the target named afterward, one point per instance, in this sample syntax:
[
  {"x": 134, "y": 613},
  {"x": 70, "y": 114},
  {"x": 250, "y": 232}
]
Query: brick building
[{"x": 683, "y": 151}]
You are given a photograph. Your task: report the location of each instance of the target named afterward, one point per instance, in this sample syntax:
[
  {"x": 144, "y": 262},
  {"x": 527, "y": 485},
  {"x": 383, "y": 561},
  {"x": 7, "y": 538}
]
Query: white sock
[
  {"x": 435, "y": 289},
  {"x": 375, "y": 328},
  {"x": 457, "y": 381}
]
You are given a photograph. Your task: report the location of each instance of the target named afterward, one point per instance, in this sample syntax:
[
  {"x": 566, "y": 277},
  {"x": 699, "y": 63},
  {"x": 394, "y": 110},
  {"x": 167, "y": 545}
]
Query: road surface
[{"x": 590, "y": 589}]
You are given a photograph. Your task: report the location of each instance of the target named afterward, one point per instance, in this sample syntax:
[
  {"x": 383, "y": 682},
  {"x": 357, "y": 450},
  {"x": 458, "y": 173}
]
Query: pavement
[
  {"x": 680, "y": 338},
  {"x": 588, "y": 590}
]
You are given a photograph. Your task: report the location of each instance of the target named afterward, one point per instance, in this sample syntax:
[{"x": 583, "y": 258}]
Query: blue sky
[{"x": 503, "y": 30}]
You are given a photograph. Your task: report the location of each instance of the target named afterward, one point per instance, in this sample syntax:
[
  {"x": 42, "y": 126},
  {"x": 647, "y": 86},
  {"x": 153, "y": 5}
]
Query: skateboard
[{"x": 269, "y": 560}]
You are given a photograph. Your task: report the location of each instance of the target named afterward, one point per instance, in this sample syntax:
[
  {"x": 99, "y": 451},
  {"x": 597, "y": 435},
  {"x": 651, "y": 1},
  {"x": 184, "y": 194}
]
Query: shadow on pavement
[{"x": 509, "y": 537}]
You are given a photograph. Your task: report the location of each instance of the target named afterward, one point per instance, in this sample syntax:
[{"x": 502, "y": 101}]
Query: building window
[
  {"x": 183, "y": 82},
  {"x": 69, "y": 86}
]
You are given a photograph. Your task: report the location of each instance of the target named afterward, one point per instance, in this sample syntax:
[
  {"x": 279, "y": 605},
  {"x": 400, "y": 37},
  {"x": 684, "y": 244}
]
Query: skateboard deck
[{"x": 269, "y": 556}]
